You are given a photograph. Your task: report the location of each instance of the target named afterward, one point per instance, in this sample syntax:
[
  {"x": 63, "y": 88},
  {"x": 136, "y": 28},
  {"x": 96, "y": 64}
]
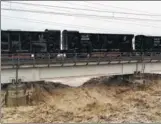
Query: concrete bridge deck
[{"x": 44, "y": 72}]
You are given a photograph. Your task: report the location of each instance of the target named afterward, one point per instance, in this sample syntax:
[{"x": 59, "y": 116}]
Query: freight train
[{"x": 75, "y": 43}]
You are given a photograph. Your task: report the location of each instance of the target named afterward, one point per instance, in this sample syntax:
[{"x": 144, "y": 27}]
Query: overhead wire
[
  {"x": 117, "y": 18},
  {"x": 122, "y": 22},
  {"x": 85, "y": 9},
  {"x": 80, "y": 15},
  {"x": 100, "y": 7},
  {"x": 97, "y": 18},
  {"x": 103, "y": 5},
  {"x": 123, "y": 8}
]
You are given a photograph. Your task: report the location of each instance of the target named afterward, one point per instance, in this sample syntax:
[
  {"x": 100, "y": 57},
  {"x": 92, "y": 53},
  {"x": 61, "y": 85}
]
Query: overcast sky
[{"x": 39, "y": 21}]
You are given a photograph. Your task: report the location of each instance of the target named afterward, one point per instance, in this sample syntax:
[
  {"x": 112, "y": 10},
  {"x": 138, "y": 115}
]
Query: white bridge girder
[{"x": 47, "y": 73}]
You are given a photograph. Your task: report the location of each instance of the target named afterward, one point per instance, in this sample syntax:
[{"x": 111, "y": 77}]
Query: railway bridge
[{"x": 47, "y": 69}]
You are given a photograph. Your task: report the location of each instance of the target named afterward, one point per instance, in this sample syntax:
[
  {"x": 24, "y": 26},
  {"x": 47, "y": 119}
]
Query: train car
[
  {"x": 25, "y": 43},
  {"x": 147, "y": 44},
  {"x": 156, "y": 43},
  {"x": 96, "y": 45},
  {"x": 141, "y": 44},
  {"x": 12, "y": 44}
]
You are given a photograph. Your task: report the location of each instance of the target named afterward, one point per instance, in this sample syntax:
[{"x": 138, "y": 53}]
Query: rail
[{"x": 58, "y": 58}]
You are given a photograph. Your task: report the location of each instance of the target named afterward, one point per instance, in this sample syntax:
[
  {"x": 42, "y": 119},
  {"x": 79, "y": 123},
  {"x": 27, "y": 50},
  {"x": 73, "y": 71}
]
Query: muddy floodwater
[{"x": 94, "y": 101}]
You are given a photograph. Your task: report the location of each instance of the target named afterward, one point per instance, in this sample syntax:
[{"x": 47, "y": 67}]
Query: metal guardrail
[{"x": 57, "y": 58}]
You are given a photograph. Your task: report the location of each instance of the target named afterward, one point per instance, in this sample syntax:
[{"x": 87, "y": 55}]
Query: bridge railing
[{"x": 59, "y": 58}]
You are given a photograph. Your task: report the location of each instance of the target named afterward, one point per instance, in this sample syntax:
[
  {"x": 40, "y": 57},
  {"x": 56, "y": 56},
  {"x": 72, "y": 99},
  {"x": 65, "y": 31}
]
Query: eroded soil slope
[{"x": 95, "y": 101}]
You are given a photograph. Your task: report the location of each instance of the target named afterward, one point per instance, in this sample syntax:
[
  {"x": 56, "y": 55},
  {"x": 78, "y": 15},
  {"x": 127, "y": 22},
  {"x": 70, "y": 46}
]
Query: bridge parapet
[{"x": 74, "y": 59}]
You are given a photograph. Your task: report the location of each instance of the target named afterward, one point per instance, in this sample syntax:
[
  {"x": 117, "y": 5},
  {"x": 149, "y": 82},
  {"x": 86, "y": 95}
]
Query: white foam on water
[{"x": 72, "y": 81}]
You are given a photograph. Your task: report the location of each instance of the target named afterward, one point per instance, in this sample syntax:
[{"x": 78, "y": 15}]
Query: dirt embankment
[{"x": 98, "y": 100}]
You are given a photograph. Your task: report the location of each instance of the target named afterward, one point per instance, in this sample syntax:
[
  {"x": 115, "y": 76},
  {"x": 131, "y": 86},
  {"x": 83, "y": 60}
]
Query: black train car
[
  {"x": 22, "y": 42},
  {"x": 31, "y": 42},
  {"x": 147, "y": 43},
  {"x": 93, "y": 43},
  {"x": 156, "y": 43},
  {"x": 11, "y": 42},
  {"x": 142, "y": 44}
]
